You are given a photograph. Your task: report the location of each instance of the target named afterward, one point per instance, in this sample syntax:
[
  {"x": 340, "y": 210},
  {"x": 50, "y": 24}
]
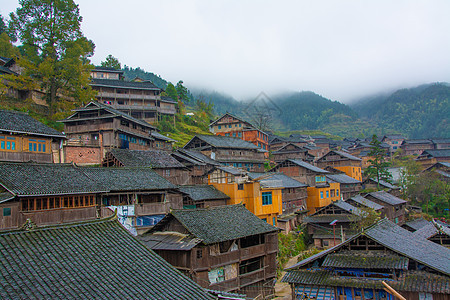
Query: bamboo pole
[{"x": 392, "y": 291}]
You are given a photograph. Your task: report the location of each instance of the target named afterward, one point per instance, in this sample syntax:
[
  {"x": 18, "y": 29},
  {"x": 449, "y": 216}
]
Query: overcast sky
[{"x": 338, "y": 49}]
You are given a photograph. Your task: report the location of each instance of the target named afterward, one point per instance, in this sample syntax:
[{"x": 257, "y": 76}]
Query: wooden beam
[{"x": 392, "y": 291}]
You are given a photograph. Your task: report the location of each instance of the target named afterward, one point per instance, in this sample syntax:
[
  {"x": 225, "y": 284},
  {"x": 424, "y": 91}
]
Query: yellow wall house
[
  {"x": 322, "y": 195},
  {"x": 265, "y": 203}
]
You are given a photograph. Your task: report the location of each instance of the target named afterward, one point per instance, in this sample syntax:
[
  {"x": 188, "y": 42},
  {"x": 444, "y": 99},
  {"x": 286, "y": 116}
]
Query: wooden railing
[
  {"x": 224, "y": 258},
  {"x": 251, "y": 277}
]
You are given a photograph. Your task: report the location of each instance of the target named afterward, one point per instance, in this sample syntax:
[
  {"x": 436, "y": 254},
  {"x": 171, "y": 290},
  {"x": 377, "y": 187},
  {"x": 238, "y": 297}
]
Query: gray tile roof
[
  {"x": 168, "y": 99},
  {"x": 169, "y": 240},
  {"x": 432, "y": 229},
  {"x": 233, "y": 171},
  {"x": 440, "y": 153},
  {"x": 27, "y": 179},
  {"x": 342, "y": 178},
  {"x": 276, "y": 180},
  {"x": 159, "y": 136},
  {"x": 218, "y": 141},
  {"x": 387, "y": 198},
  {"x": 400, "y": 241},
  {"x": 203, "y": 192},
  {"x": 417, "y": 223},
  {"x": 384, "y": 184},
  {"x": 14, "y": 121},
  {"x": 199, "y": 156},
  {"x": 366, "y": 202},
  {"x": 366, "y": 260},
  {"x": 147, "y": 85},
  {"x": 6, "y": 197},
  {"x": 343, "y": 154},
  {"x": 156, "y": 159},
  {"x": 310, "y": 167},
  {"x": 88, "y": 260},
  {"x": 221, "y": 223}
]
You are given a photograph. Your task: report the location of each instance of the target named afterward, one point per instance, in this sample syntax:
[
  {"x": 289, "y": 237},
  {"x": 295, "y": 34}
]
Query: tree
[
  {"x": 7, "y": 49},
  {"x": 378, "y": 165},
  {"x": 170, "y": 91},
  {"x": 182, "y": 91},
  {"x": 2, "y": 25},
  {"x": 55, "y": 49},
  {"x": 367, "y": 216},
  {"x": 111, "y": 62}
]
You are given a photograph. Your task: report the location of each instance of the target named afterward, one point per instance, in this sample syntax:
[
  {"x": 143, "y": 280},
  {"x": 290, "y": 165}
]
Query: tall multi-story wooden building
[
  {"x": 23, "y": 138},
  {"x": 223, "y": 248},
  {"x": 232, "y": 126},
  {"x": 140, "y": 99},
  {"x": 229, "y": 151},
  {"x": 345, "y": 162}
]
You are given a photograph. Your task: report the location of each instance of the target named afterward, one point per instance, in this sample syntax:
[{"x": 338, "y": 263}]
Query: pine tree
[
  {"x": 111, "y": 62},
  {"x": 378, "y": 167}
]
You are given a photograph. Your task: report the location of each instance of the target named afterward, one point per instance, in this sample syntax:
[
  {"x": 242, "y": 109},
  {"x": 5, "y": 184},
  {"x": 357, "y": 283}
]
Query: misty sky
[{"x": 338, "y": 49}]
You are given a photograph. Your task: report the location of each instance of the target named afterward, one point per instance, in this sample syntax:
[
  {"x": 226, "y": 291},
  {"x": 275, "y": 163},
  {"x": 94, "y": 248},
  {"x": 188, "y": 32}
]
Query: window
[
  {"x": 234, "y": 134},
  {"x": 199, "y": 254},
  {"x": 325, "y": 243},
  {"x": 239, "y": 134},
  {"x": 266, "y": 198},
  {"x": 37, "y": 145},
  {"x": 240, "y": 186},
  {"x": 6, "y": 211},
  {"x": 396, "y": 220},
  {"x": 320, "y": 179},
  {"x": 337, "y": 193},
  {"x": 7, "y": 143},
  {"x": 321, "y": 195},
  {"x": 220, "y": 127},
  {"x": 274, "y": 221},
  {"x": 328, "y": 194}
]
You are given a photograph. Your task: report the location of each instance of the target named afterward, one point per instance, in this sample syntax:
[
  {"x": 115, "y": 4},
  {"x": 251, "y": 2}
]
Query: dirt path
[{"x": 282, "y": 289}]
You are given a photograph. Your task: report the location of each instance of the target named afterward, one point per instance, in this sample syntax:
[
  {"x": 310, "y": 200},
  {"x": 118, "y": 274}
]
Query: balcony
[
  {"x": 151, "y": 209},
  {"x": 228, "y": 285},
  {"x": 125, "y": 96},
  {"x": 134, "y": 107},
  {"x": 224, "y": 258},
  {"x": 252, "y": 277}
]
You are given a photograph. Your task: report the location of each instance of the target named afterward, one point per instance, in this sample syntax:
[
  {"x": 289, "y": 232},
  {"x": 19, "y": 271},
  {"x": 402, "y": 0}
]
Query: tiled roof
[
  {"x": 305, "y": 165},
  {"x": 387, "y": 198},
  {"x": 228, "y": 114},
  {"x": 159, "y": 136},
  {"x": 233, "y": 171},
  {"x": 199, "y": 156},
  {"x": 366, "y": 202},
  {"x": 90, "y": 260},
  {"x": 417, "y": 223},
  {"x": 146, "y": 158},
  {"x": 342, "y": 178},
  {"x": 343, "y": 154},
  {"x": 322, "y": 219},
  {"x": 6, "y": 197},
  {"x": 384, "y": 184},
  {"x": 221, "y": 223},
  {"x": 167, "y": 99},
  {"x": 14, "y": 121},
  {"x": 432, "y": 229},
  {"x": 405, "y": 243},
  {"x": 26, "y": 179},
  {"x": 436, "y": 153},
  {"x": 276, "y": 180},
  {"x": 124, "y": 84},
  {"x": 203, "y": 192},
  {"x": 219, "y": 141},
  {"x": 365, "y": 260},
  {"x": 108, "y": 69},
  {"x": 417, "y": 141},
  {"x": 348, "y": 207},
  {"x": 169, "y": 240},
  {"x": 309, "y": 277}
]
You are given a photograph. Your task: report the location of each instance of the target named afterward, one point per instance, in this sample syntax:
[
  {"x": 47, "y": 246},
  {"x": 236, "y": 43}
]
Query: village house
[
  {"x": 394, "y": 207},
  {"x": 23, "y": 138},
  {"x": 139, "y": 99},
  {"x": 355, "y": 269},
  {"x": 374, "y": 184},
  {"x": 293, "y": 197},
  {"x": 332, "y": 224},
  {"x": 436, "y": 232},
  {"x": 278, "y": 142},
  {"x": 320, "y": 191},
  {"x": 394, "y": 142},
  {"x": 416, "y": 146},
  {"x": 160, "y": 161},
  {"x": 202, "y": 196},
  {"x": 441, "y": 169},
  {"x": 96, "y": 128},
  {"x": 349, "y": 186},
  {"x": 416, "y": 224},
  {"x": 197, "y": 164},
  {"x": 229, "y": 151},
  {"x": 292, "y": 151},
  {"x": 430, "y": 157},
  {"x": 343, "y": 161},
  {"x": 363, "y": 203},
  {"x": 232, "y": 126},
  {"x": 441, "y": 143},
  {"x": 222, "y": 248},
  {"x": 323, "y": 143},
  {"x": 263, "y": 201},
  {"x": 63, "y": 193},
  {"x": 87, "y": 260}
]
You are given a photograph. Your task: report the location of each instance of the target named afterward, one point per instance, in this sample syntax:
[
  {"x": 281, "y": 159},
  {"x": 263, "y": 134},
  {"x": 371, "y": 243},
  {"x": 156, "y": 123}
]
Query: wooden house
[
  {"x": 292, "y": 151},
  {"x": 394, "y": 206},
  {"x": 436, "y": 232},
  {"x": 278, "y": 142},
  {"x": 320, "y": 191},
  {"x": 416, "y": 146},
  {"x": 222, "y": 248},
  {"x": 339, "y": 213},
  {"x": 139, "y": 99},
  {"x": 87, "y": 260},
  {"x": 415, "y": 268},
  {"x": 23, "y": 138},
  {"x": 160, "y": 161},
  {"x": 232, "y": 126},
  {"x": 361, "y": 202},
  {"x": 94, "y": 129},
  {"x": 322, "y": 143},
  {"x": 293, "y": 197},
  {"x": 441, "y": 143},
  {"x": 416, "y": 224},
  {"x": 441, "y": 169},
  {"x": 349, "y": 186},
  {"x": 430, "y": 157},
  {"x": 229, "y": 151},
  {"x": 198, "y": 164},
  {"x": 202, "y": 196},
  {"x": 372, "y": 183},
  {"x": 262, "y": 200},
  {"x": 394, "y": 141},
  {"x": 61, "y": 193},
  {"x": 343, "y": 161}
]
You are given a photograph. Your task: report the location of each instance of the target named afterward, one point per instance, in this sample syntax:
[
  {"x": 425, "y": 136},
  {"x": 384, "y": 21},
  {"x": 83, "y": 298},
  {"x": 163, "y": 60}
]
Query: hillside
[{"x": 418, "y": 112}]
